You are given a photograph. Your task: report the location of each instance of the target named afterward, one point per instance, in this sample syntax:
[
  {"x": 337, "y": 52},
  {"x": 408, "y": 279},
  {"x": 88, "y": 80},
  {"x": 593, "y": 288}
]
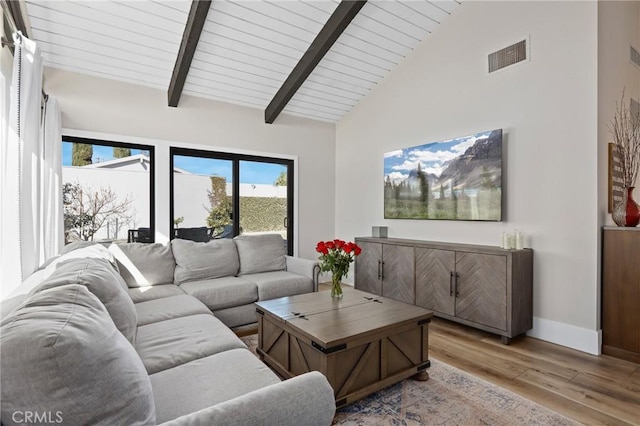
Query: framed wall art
[
  {"x": 455, "y": 179},
  {"x": 616, "y": 187}
]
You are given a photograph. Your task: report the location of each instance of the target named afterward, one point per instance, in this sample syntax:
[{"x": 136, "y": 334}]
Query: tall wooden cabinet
[
  {"x": 621, "y": 293},
  {"x": 481, "y": 286}
]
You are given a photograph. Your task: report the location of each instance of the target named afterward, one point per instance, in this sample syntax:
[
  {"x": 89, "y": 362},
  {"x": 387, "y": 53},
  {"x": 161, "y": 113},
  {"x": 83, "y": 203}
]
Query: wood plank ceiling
[{"x": 246, "y": 50}]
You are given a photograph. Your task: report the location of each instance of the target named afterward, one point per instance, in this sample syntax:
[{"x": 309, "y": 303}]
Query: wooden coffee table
[{"x": 361, "y": 343}]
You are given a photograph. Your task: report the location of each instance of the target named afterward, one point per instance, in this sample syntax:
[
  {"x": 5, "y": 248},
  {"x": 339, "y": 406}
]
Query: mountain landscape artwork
[{"x": 456, "y": 179}]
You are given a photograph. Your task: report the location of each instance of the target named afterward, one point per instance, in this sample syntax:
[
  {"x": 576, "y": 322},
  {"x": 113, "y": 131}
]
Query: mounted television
[{"x": 455, "y": 179}]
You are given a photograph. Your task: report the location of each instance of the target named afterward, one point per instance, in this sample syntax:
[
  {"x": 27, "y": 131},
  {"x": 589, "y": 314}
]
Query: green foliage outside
[
  {"x": 119, "y": 152},
  {"x": 257, "y": 214},
  {"x": 81, "y": 154},
  {"x": 221, "y": 207},
  {"x": 281, "y": 180},
  {"x": 262, "y": 214}
]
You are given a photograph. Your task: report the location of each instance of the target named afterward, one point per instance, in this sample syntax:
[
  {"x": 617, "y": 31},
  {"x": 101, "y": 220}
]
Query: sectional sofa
[{"x": 139, "y": 334}]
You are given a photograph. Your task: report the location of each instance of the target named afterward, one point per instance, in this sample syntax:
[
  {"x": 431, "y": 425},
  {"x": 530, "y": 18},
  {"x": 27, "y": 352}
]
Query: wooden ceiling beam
[
  {"x": 190, "y": 37},
  {"x": 336, "y": 24},
  {"x": 16, "y": 12}
]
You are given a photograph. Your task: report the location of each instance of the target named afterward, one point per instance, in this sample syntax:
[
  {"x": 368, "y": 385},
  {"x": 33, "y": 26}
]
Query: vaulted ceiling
[{"x": 247, "y": 52}]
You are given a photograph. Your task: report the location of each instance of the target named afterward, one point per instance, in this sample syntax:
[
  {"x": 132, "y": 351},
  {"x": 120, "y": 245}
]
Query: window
[
  {"x": 108, "y": 190},
  {"x": 221, "y": 195}
]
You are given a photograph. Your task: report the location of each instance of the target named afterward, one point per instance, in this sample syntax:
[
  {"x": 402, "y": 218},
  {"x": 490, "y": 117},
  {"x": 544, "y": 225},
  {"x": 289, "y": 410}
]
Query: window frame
[
  {"x": 131, "y": 145},
  {"x": 235, "y": 159}
]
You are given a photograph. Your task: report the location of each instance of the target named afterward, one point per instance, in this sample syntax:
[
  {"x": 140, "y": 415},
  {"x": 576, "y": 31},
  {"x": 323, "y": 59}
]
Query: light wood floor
[
  {"x": 593, "y": 390},
  {"x": 590, "y": 389}
]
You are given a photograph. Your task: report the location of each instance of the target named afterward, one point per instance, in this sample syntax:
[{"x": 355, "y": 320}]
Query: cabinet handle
[
  {"x": 379, "y": 269},
  {"x": 382, "y": 270},
  {"x": 451, "y": 284},
  {"x": 456, "y": 286}
]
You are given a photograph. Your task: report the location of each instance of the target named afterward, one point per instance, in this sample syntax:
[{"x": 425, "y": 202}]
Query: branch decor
[{"x": 625, "y": 129}]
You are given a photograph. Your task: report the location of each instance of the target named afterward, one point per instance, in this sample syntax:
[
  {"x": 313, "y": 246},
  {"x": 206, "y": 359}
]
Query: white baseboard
[{"x": 581, "y": 339}]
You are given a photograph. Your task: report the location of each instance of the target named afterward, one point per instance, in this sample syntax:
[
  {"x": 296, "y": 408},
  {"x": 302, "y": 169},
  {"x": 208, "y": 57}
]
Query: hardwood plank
[
  {"x": 488, "y": 361},
  {"x": 552, "y": 401},
  {"x": 601, "y": 390},
  {"x": 506, "y": 353},
  {"x": 625, "y": 391},
  {"x": 603, "y": 366},
  {"x": 597, "y": 400}
]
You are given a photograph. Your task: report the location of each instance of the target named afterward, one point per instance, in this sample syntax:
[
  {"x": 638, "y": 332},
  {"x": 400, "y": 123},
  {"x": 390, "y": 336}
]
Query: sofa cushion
[
  {"x": 8, "y": 305},
  {"x": 76, "y": 245},
  {"x": 201, "y": 261},
  {"x": 104, "y": 282},
  {"x": 276, "y": 284},
  {"x": 203, "y": 383},
  {"x": 80, "y": 251},
  {"x": 238, "y": 315},
  {"x": 169, "y": 307},
  {"x": 220, "y": 293},
  {"x": 152, "y": 292},
  {"x": 260, "y": 253},
  {"x": 144, "y": 264},
  {"x": 61, "y": 354},
  {"x": 174, "y": 342}
]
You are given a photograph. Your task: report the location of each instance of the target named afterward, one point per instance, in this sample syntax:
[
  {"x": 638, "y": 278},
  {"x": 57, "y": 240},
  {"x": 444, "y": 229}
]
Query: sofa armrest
[
  {"x": 302, "y": 400},
  {"x": 306, "y": 267}
]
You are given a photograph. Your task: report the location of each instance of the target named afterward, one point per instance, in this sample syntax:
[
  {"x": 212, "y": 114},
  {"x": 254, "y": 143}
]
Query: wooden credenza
[
  {"x": 621, "y": 293},
  {"x": 481, "y": 286}
]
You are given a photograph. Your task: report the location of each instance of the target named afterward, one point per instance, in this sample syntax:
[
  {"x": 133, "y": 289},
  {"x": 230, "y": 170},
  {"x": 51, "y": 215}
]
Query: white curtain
[
  {"x": 20, "y": 233},
  {"x": 51, "y": 217}
]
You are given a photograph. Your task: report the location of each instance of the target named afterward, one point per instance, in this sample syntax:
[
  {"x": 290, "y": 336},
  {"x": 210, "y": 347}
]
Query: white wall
[
  {"x": 139, "y": 114},
  {"x": 548, "y": 110}
]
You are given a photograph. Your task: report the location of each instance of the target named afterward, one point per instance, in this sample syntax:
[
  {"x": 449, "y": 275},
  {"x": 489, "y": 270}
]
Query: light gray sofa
[
  {"x": 84, "y": 347},
  {"x": 227, "y": 275}
]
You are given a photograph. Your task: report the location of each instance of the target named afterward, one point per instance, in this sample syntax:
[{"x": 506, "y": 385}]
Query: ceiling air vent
[
  {"x": 508, "y": 56},
  {"x": 634, "y": 56}
]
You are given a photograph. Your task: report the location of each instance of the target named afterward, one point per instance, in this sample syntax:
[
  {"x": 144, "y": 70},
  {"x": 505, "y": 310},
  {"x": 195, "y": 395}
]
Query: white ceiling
[{"x": 247, "y": 48}]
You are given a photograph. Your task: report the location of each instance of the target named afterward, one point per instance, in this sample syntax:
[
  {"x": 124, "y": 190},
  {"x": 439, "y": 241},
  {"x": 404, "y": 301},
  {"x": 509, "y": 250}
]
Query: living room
[{"x": 553, "y": 108}]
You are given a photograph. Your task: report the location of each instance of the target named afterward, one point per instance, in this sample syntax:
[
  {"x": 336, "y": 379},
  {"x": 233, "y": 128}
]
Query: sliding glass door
[{"x": 221, "y": 195}]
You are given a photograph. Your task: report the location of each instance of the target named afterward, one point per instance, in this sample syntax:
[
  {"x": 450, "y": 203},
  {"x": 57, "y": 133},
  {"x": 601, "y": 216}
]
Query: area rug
[{"x": 450, "y": 397}]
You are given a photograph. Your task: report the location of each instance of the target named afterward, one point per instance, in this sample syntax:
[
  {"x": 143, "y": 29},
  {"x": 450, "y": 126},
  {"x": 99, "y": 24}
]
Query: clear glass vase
[{"x": 336, "y": 286}]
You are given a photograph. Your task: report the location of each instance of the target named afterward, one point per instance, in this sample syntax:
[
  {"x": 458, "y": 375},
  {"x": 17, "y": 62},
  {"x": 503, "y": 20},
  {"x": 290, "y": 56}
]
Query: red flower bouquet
[{"x": 336, "y": 257}]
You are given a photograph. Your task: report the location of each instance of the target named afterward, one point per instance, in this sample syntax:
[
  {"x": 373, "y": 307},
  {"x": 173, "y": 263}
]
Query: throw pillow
[
  {"x": 143, "y": 264},
  {"x": 201, "y": 261},
  {"x": 261, "y": 253}
]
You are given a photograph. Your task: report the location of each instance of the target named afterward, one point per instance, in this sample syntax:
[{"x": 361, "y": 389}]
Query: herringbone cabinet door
[
  {"x": 398, "y": 279},
  {"x": 367, "y": 268},
  {"x": 482, "y": 289},
  {"x": 434, "y": 284}
]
